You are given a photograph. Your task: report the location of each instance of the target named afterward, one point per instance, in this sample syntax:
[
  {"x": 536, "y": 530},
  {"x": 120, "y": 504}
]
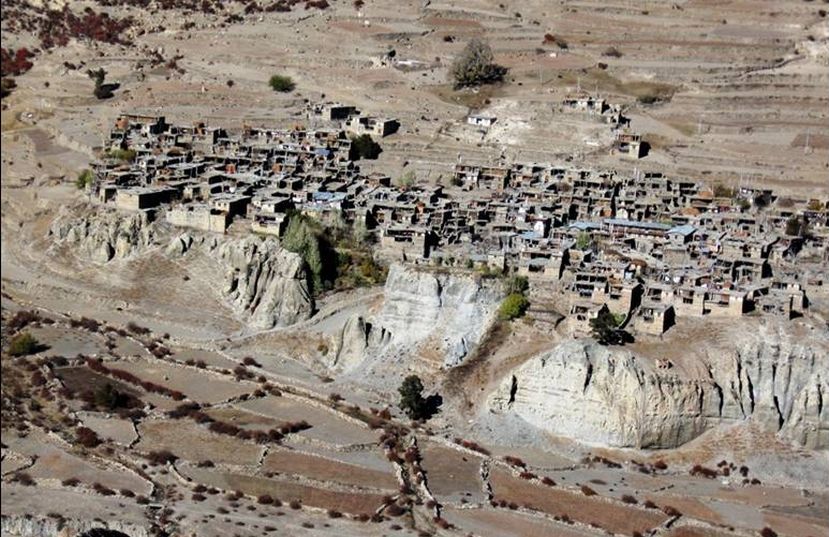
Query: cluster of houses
[{"x": 643, "y": 246}]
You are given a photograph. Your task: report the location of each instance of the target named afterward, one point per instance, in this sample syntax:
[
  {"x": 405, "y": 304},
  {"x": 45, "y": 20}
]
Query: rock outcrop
[
  {"x": 30, "y": 526},
  {"x": 610, "y": 396},
  {"x": 106, "y": 235},
  {"x": 265, "y": 282},
  {"x": 356, "y": 337},
  {"x": 452, "y": 311}
]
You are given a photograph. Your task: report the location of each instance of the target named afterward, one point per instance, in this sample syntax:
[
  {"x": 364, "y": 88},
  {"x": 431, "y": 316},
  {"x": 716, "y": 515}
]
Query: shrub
[
  {"x": 475, "y": 66},
  {"x": 671, "y": 511},
  {"x": 71, "y": 482},
  {"x": 22, "y": 319},
  {"x": 161, "y": 457},
  {"x": 281, "y": 83},
  {"x": 612, "y": 52},
  {"x": 295, "y": 504},
  {"x": 23, "y": 344},
  {"x": 699, "y": 470},
  {"x": 84, "y": 179},
  {"x": 587, "y": 491},
  {"x": 87, "y": 437},
  {"x": 24, "y": 479},
  {"x": 248, "y": 360},
  {"x": 768, "y": 532},
  {"x": 514, "y": 306},
  {"x": 265, "y": 499},
  {"x": 627, "y": 498}
]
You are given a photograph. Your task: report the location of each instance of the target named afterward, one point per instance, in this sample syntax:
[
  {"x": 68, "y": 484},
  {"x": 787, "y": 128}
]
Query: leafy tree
[
  {"x": 514, "y": 306},
  {"x": 102, "y": 90},
  {"x": 412, "y": 401},
  {"x": 583, "y": 240},
  {"x": 407, "y": 180},
  {"x": 605, "y": 328},
  {"x": 281, "y": 83},
  {"x": 475, "y": 66},
  {"x": 302, "y": 237},
  {"x": 84, "y": 179},
  {"x": 364, "y": 146},
  {"x": 23, "y": 344}
]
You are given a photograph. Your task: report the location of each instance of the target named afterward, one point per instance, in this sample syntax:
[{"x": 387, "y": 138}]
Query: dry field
[{"x": 609, "y": 515}]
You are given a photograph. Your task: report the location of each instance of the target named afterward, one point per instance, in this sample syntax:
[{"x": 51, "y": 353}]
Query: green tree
[
  {"x": 281, "y": 83},
  {"x": 605, "y": 328},
  {"x": 84, "y": 179},
  {"x": 364, "y": 146},
  {"x": 301, "y": 237},
  {"x": 583, "y": 240},
  {"x": 412, "y": 401},
  {"x": 476, "y": 66},
  {"x": 514, "y": 306},
  {"x": 407, "y": 180},
  {"x": 23, "y": 344}
]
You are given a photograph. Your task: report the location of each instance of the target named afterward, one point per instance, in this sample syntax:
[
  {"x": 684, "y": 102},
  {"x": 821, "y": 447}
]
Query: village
[{"x": 647, "y": 248}]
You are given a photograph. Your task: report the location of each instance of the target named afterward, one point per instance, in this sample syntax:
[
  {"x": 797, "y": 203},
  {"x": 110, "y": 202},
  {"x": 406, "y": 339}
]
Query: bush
[
  {"x": 281, "y": 83},
  {"x": 514, "y": 306},
  {"x": 475, "y": 66},
  {"x": 22, "y": 319},
  {"x": 23, "y": 344},
  {"x": 587, "y": 491},
  {"x": 87, "y": 437},
  {"x": 612, "y": 52},
  {"x": 161, "y": 457},
  {"x": 768, "y": 532},
  {"x": 84, "y": 179}
]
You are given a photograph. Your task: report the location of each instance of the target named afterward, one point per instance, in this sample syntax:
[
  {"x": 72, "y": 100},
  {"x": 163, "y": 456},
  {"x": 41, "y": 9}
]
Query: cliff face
[
  {"x": 610, "y": 396},
  {"x": 263, "y": 282},
  {"x": 267, "y": 283},
  {"x": 453, "y": 311},
  {"x": 29, "y": 526},
  {"x": 104, "y": 236}
]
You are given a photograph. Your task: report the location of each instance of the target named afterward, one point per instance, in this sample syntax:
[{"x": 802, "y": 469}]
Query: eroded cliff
[{"x": 609, "y": 395}]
